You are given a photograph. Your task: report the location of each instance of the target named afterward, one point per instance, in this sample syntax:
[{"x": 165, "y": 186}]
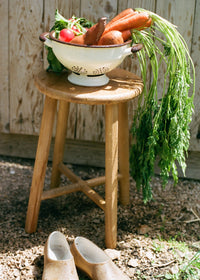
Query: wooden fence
[{"x": 22, "y": 56}]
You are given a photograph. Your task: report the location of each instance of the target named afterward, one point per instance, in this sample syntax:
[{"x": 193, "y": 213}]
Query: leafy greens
[
  {"x": 60, "y": 23},
  {"x": 161, "y": 126}
]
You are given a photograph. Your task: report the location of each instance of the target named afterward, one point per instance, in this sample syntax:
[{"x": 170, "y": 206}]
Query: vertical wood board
[
  {"x": 4, "y": 68},
  {"x": 25, "y": 24},
  {"x": 195, "y": 53},
  {"x": 93, "y": 10},
  {"x": 180, "y": 13}
]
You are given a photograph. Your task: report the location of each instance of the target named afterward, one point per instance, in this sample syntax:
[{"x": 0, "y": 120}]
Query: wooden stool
[{"x": 122, "y": 87}]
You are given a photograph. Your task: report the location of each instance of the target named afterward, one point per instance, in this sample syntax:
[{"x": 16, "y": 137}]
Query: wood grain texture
[
  {"x": 93, "y": 10},
  {"x": 180, "y": 13},
  {"x": 40, "y": 164},
  {"x": 25, "y": 60},
  {"x": 195, "y": 52},
  {"x": 122, "y": 86},
  {"x": 111, "y": 171},
  {"x": 123, "y": 151},
  {"x": 59, "y": 147},
  {"x": 4, "y": 69}
]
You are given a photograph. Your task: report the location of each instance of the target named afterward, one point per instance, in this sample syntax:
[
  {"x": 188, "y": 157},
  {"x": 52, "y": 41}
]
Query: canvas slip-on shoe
[
  {"x": 94, "y": 261},
  {"x": 58, "y": 261}
]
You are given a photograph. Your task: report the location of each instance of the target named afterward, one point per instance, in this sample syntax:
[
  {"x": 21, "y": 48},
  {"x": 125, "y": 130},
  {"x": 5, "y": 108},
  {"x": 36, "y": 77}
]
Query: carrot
[
  {"x": 80, "y": 40},
  {"x": 133, "y": 22},
  {"x": 94, "y": 33},
  {"x": 113, "y": 37},
  {"x": 126, "y": 34},
  {"x": 122, "y": 14},
  {"x": 147, "y": 24},
  {"x": 126, "y": 16}
]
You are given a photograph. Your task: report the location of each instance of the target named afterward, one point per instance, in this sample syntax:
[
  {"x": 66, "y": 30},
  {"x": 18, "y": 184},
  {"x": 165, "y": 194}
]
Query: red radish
[{"x": 66, "y": 35}]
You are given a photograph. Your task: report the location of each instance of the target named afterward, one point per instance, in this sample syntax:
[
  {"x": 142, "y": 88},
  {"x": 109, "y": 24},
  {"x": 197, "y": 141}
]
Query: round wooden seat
[{"x": 122, "y": 87}]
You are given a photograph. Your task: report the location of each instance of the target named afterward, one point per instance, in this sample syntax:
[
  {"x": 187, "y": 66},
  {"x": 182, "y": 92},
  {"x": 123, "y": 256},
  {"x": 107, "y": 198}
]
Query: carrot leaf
[{"x": 161, "y": 123}]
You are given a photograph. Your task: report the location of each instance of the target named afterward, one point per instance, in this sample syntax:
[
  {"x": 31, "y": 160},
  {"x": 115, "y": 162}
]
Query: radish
[{"x": 66, "y": 35}]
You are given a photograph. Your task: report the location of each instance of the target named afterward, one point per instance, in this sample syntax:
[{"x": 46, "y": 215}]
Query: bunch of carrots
[{"x": 117, "y": 31}]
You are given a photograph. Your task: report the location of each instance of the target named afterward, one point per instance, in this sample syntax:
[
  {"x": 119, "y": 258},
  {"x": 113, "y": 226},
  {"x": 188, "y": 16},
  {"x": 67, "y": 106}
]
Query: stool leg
[
  {"x": 111, "y": 171},
  {"x": 40, "y": 164},
  {"x": 123, "y": 153},
  {"x": 61, "y": 131}
]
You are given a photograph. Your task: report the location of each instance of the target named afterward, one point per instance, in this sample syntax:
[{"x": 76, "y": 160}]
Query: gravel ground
[{"x": 154, "y": 240}]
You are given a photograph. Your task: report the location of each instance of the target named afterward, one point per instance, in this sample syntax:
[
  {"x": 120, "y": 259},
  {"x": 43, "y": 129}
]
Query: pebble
[
  {"x": 133, "y": 262},
  {"x": 143, "y": 229},
  {"x": 113, "y": 254}
]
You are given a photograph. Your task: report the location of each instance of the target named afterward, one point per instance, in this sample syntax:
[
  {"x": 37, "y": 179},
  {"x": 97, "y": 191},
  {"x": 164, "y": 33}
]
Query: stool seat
[{"x": 122, "y": 87}]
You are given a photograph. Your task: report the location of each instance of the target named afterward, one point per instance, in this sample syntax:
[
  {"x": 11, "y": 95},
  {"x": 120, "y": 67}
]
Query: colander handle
[
  {"x": 133, "y": 49},
  {"x": 44, "y": 38}
]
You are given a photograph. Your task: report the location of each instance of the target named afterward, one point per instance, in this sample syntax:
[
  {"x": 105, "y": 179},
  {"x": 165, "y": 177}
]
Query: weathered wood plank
[
  {"x": 4, "y": 69},
  {"x": 93, "y": 10},
  {"x": 181, "y": 14},
  {"x": 25, "y": 21},
  {"x": 195, "y": 53},
  {"x": 78, "y": 152}
]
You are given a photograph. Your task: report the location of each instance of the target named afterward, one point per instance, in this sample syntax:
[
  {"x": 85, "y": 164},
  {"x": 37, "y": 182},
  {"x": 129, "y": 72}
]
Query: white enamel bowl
[{"x": 89, "y": 64}]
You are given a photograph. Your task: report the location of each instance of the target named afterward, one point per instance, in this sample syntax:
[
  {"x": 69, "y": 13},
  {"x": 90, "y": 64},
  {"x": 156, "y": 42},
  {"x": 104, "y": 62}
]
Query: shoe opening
[
  {"x": 90, "y": 252},
  {"x": 58, "y": 247}
]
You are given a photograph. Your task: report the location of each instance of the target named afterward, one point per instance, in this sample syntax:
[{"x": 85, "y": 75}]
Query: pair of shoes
[{"x": 60, "y": 260}]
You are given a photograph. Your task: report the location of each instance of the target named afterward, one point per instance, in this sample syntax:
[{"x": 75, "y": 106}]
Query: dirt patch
[{"x": 154, "y": 239}]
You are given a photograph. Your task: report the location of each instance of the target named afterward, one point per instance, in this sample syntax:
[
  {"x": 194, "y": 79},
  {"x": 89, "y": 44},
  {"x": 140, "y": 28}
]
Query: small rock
[
  {"x": 133, "y": 262},
  {"x": 174, "y": 269},
  {"x": 12, "y": 171},
  {"x": 123, "y": 245},
  {"x": 130, "y": 272},
  {"x": 113, "y": 254},
  {"x": 149, "y": 255},
  {"x": 180, "y": 253},
  {"x": 143, "y": 229}
]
